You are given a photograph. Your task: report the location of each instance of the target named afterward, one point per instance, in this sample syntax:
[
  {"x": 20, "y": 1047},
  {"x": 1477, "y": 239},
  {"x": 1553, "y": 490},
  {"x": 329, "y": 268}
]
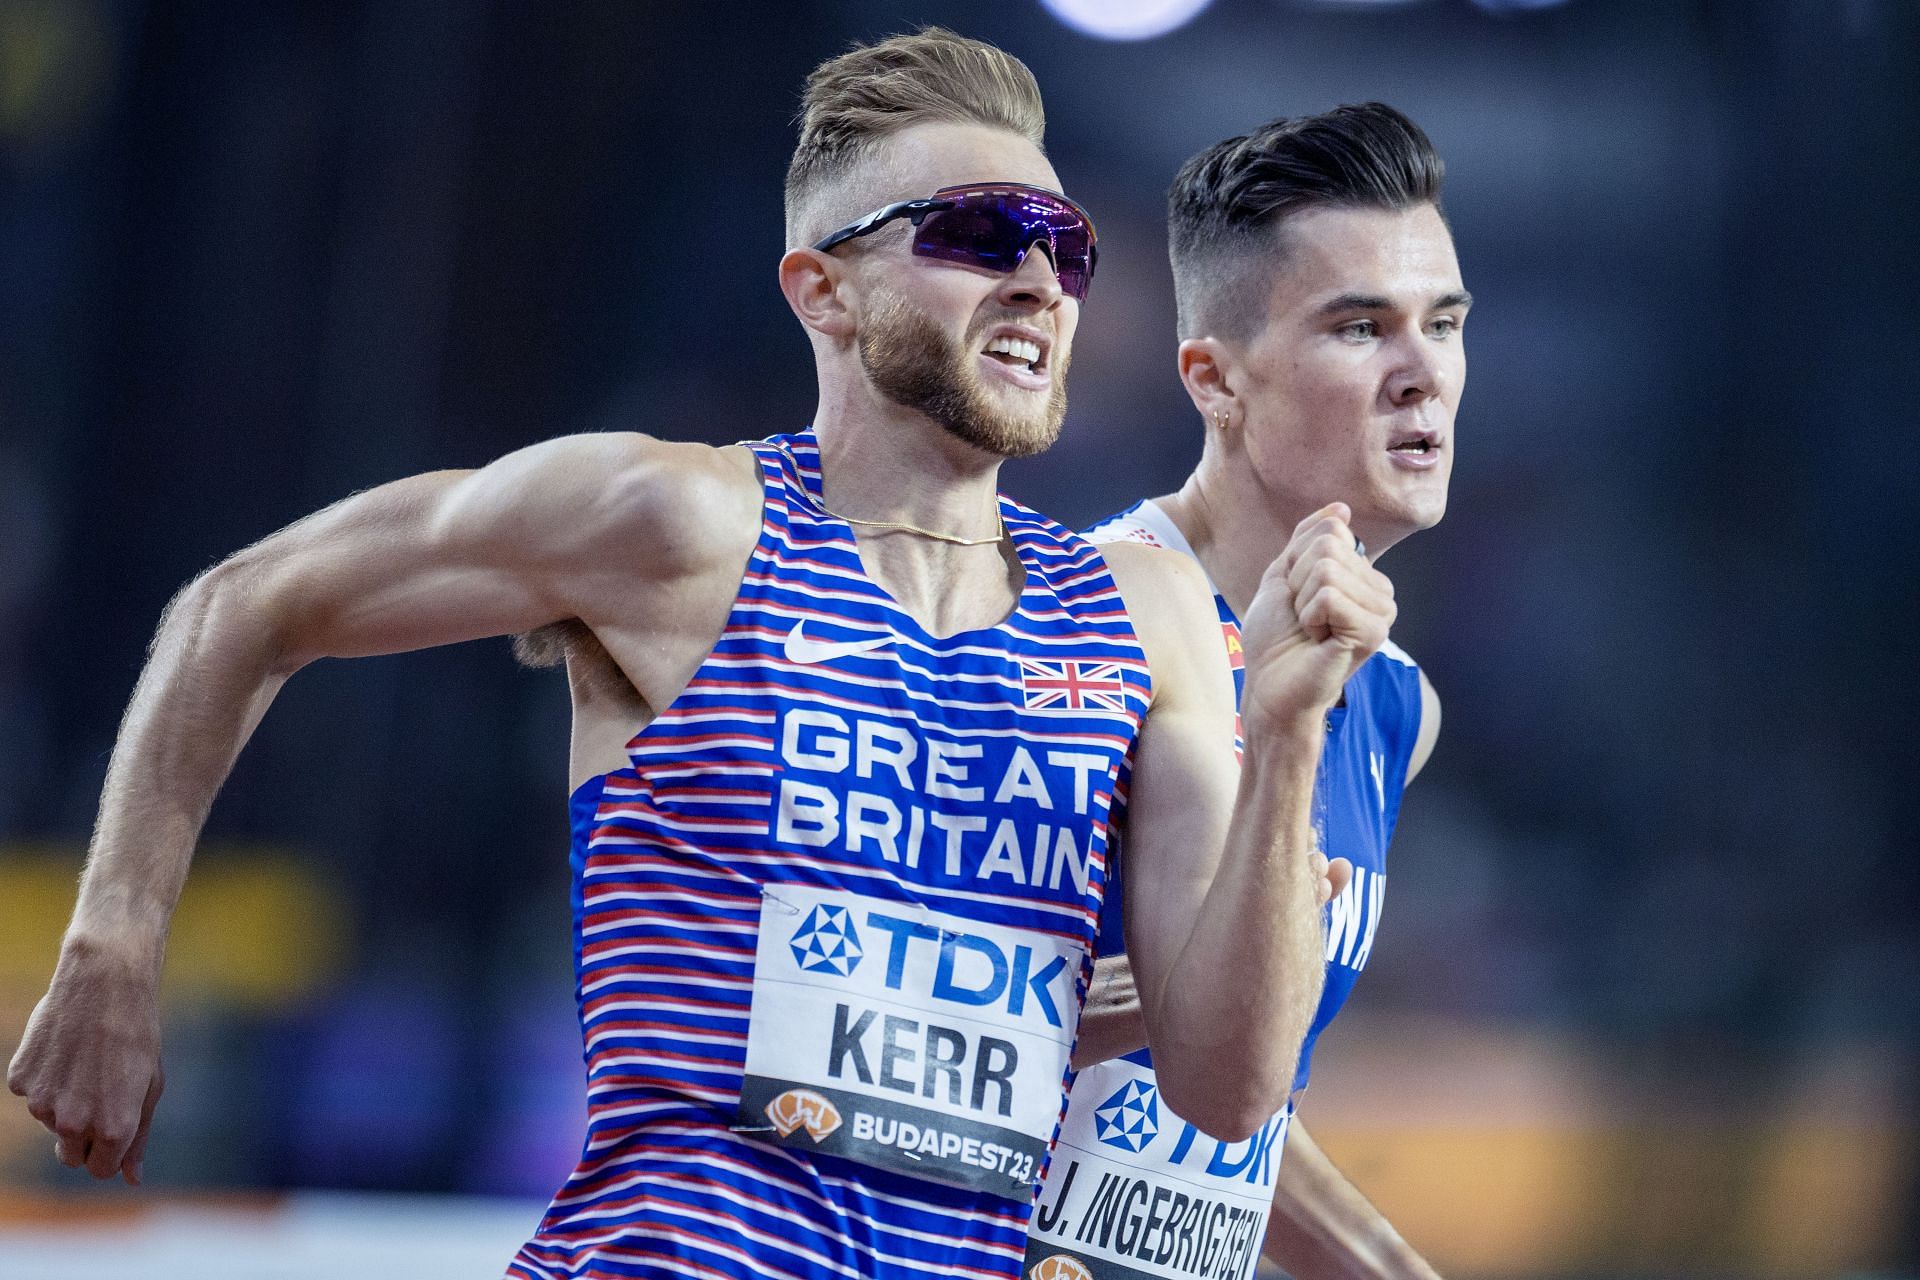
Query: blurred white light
[{"x": 1125, "y": 19}]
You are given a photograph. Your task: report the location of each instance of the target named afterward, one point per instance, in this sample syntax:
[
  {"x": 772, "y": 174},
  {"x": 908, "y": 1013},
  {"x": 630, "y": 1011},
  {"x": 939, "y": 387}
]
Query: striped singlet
[{"x": 834, "y": 921}]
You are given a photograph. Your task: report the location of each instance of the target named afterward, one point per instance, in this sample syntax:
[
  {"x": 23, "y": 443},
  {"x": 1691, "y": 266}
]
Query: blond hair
[{"x": 853, "y": 101}]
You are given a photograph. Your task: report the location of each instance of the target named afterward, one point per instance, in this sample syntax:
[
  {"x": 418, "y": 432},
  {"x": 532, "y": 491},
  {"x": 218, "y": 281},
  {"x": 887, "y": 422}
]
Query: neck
[
  {"x": 886, "y": 463},
  {"x": 1236, "y": 526}
]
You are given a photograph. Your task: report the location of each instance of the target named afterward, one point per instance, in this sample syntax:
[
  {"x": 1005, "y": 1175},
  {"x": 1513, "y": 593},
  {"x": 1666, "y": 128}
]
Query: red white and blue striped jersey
[{"x": 829, "y": 745}]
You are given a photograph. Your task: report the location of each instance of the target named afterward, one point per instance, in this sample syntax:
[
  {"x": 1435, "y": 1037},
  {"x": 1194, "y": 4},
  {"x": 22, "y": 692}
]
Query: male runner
[
  {"x": 838, "y": 866},
  {"x": 1320, "y": 311}
]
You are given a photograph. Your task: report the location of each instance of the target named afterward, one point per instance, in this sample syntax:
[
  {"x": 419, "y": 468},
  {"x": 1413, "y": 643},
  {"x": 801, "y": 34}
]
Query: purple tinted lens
[{"x": 995, "y": 229}]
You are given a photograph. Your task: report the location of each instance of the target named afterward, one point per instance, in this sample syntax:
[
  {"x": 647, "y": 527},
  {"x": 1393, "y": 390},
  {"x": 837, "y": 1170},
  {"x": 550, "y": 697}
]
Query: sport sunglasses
[{"x": 991, "y": 225}]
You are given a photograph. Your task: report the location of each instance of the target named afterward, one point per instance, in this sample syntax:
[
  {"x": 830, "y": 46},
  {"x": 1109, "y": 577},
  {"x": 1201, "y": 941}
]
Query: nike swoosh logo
[{"x": 804, "y": 651}]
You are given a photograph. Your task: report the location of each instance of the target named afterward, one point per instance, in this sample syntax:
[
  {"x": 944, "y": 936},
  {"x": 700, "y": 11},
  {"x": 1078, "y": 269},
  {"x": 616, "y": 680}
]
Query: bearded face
[{"x": 916, "y": 364}]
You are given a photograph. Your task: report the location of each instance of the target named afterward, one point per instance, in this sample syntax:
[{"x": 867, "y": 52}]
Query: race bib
[
  {"x": 1135, "y": 1191},
  {"x": 908, "y": 1039}
]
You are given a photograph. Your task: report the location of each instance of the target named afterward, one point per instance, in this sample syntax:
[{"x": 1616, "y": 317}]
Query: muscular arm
[
  {"x": 1111, "y": 1024},
  {"x": 1223, "y": 916},
  {"x": 425, "y": 561},
  {"x": 1216, "y": 885},
  {"x": 1323, "y": 1228}
]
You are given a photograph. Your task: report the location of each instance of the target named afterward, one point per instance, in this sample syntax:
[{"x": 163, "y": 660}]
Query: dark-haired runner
[{"x": 1320, "y": 313}]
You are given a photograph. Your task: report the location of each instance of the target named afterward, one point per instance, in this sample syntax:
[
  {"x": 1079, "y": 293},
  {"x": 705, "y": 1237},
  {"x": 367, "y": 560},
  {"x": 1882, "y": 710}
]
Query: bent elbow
[
  {"x": 1230, "y": 1109},
  {"x": 1230, "y": 1120},
  {"x": 225, "y": 609}
]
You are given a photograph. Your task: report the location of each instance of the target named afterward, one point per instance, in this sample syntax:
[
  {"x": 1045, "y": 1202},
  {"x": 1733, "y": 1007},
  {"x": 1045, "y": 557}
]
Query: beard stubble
[{"x": 913, "y": 363}]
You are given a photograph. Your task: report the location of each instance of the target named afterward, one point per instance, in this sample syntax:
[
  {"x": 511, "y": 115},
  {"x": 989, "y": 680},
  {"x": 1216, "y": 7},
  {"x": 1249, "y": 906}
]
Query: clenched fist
[
  {"x": 89, "y": 1064},
  {"x": 1320, "y": 612}
]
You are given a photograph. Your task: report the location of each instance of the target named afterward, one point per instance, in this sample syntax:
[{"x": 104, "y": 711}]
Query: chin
[
  {"x": 1391, "y": 521},
  {"x": 1410, "y": 502},
  {"x": 1006, "y": 433},
  {"x": 1423, "y": 515}
]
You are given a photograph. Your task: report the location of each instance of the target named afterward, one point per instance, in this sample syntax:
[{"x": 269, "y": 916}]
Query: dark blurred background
[{"x": 1645, "y": 1002}]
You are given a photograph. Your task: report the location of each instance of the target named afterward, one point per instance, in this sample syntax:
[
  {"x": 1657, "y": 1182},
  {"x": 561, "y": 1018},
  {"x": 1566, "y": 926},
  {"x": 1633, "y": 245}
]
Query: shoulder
[
  {"x": 683, "y": 497},
  {"x": 1171, "y": 605},
  {"x": 1125, "y": 526},
  {"x": 1140, "y": 570},
  {"x": 668, "y": 505},
  {"x": 634, "y": 481}
]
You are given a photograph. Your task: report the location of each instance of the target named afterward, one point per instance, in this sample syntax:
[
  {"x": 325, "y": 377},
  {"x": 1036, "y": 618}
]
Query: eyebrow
[{"x": 1374, "y": 302}]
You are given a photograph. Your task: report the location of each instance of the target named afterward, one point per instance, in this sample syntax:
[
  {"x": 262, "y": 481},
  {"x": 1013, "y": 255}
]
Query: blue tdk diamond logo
[
  {"x": 826, "y": 942},
  {"x": 1130, "y": 1118}
]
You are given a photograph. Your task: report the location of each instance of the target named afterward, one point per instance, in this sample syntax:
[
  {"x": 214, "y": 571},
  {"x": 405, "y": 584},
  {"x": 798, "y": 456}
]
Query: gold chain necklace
[{"x": 925, "y": 533}]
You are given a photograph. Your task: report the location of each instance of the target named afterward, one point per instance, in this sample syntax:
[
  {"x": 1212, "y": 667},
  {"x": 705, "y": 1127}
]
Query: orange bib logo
[
  {"x": 803, "y": 1109},
  {"x": 1061, "y": 1266}
]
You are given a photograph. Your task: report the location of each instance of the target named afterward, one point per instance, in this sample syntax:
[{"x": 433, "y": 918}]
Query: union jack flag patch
[{"x": 1072, "y": 686}]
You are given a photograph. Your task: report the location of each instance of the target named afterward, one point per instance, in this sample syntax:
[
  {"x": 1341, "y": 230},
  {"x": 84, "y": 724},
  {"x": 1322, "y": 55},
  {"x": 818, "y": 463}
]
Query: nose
[
  {"x": 1418, "y": 377},
  {"x": 1034, "y": 283}
]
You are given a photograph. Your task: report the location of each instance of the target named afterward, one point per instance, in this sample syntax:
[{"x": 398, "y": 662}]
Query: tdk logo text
[
  {"x": 1251, "y": 1162},
  {"x": 967, "y": 969}
]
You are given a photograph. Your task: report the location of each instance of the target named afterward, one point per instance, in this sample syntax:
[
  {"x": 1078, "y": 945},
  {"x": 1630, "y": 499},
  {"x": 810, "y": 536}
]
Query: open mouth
[
  {"x": 1018, "y": 353},
  {"x": 1418, "y": 452}
]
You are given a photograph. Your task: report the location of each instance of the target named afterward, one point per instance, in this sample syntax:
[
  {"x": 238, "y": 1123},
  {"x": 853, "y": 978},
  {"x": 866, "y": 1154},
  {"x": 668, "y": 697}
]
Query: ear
[
  {"x": 1208, "y": 373},
  {"x": 813, "y": 283}
]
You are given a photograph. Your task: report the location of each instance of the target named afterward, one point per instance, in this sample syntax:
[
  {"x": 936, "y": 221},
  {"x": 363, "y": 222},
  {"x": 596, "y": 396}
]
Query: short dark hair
[{"x": 1226, "y": 203}]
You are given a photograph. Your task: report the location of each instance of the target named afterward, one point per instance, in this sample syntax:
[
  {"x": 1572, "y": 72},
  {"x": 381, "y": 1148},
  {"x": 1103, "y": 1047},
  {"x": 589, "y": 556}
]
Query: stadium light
[
  {"x": 1125, "y": 19},
  {"x": 1360, "y": 4}
]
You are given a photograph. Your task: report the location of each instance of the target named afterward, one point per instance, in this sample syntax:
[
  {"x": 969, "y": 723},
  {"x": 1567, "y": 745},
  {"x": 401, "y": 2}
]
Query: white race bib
[
  {"x": 1135, "y": 1191},
  {"x": 907, "y": 1038}
]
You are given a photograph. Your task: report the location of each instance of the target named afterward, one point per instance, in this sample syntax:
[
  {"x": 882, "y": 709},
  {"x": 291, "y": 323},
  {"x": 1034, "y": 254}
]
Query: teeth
[{"x": 1019, "y": 348}]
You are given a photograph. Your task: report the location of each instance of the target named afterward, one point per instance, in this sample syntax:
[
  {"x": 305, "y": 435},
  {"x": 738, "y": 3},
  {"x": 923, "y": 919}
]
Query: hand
[
  {"x": 89, "y": 1063},
  {"x": 1320, "y": 612},
  {"x": 1332, "y": 877}
]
